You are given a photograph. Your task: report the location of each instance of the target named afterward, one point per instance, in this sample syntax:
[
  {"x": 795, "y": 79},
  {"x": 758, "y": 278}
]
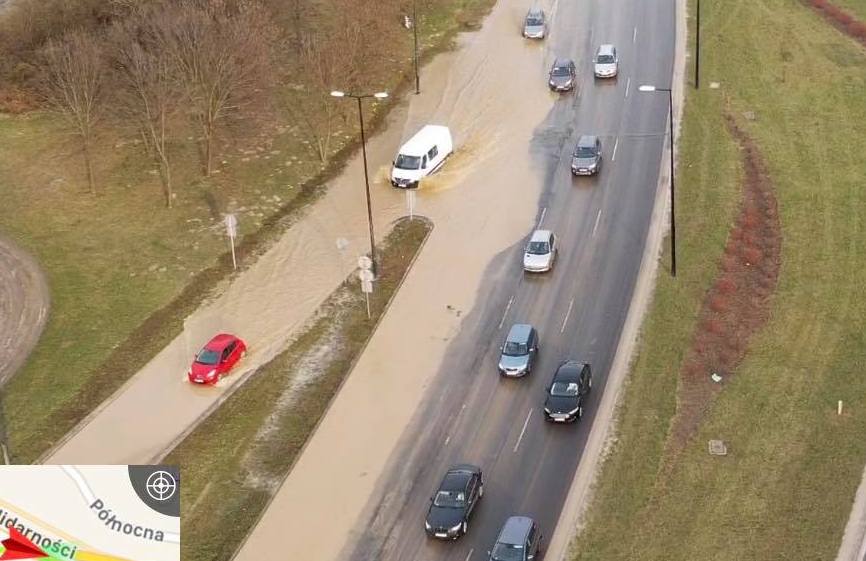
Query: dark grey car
[
  {"x": 454, "y": 501},
  {"x": 562, "y": 75},
  {"x": 519, "y": 540},
  {"x": 519, "y": 350},
  {"x": 567, "y": 392},
  {"x": 586, "y": 159}
]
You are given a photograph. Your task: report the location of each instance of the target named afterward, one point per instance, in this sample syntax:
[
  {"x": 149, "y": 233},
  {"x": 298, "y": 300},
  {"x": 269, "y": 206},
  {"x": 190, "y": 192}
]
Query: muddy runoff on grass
[
  {"x": 737, "y": 304},
  {"x": 236, "y": 459}
]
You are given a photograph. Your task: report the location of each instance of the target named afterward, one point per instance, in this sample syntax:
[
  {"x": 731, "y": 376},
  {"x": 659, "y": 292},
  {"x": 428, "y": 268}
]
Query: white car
[
  {"x": 605, "y": 63},
  {"x": 540, "y": 252}
]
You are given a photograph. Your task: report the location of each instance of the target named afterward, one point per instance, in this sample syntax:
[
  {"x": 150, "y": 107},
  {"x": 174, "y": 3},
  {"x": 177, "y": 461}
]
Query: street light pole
[
  {"x": 698, "y": 46},
  {"x": 380, "y": 95},
  {"x": 415, "y": 33},
  {"x": 367, "y": 187},
  {"x": 673, "y": 212},
  {"x": 673, "y": 185}
]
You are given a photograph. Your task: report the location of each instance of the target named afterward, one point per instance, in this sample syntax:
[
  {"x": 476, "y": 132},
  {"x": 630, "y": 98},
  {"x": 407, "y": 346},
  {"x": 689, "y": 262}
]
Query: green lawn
[
  {"x": 786, "y": 487},
  {"x": 234, "y": 460},
  {"x": 124, "y": 271}
]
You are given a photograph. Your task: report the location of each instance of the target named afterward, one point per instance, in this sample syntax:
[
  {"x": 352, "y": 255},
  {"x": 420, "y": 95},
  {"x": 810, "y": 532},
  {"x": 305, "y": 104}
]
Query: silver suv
[
  {"x": 534, "y": 26},
  {"x": 519, "y": 540},
  {"x": 586, "y": 159}
]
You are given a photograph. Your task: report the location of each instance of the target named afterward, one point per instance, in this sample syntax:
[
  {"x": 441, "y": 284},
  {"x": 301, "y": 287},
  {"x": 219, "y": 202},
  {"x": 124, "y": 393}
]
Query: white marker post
[
  {"x": 366, "y": 275},
  {"x": 410, "y": 203},
  {"x": 231, "y": 223}
]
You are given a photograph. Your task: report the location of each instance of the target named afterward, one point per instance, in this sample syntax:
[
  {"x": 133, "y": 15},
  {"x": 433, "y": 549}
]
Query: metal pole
[
  {"x": 367, "y": 297},
  {"x": 367, "y": 185},
  {"x": 698, "y": 47},
  {"x": 673, "y": 214},
  {"x": 415, "y": 33}
]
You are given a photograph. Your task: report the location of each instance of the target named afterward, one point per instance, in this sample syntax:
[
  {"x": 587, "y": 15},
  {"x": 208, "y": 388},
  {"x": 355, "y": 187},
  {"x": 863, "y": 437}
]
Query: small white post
[
  {"x": 839, "y": 408},
  {"x": 231, "y": 223},
  {"x": 234, "y": 260},
  {"x": 367, "y": 297}
]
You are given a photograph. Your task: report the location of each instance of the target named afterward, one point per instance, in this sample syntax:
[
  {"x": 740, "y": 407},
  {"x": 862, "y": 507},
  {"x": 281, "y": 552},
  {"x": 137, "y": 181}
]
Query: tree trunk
[{"x": 91, "y": 181}]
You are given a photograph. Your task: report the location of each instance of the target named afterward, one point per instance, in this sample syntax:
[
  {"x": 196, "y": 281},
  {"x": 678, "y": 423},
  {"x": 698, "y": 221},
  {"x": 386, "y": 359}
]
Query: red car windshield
[{"x": 208, "y": 356}]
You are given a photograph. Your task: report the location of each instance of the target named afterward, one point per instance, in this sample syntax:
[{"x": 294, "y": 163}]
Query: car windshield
[
  {"x": 450, "y": 499},
  {"x": 208, "y": 356},
  {"x": 584, "y": 152},
  {"x": 605, "y": 59},
  {"x": 533, "y": 21},
  {"x": 561, "y": 71},
  {"x": 407, "y": 162},
  {"x": 563, "y": 389},
  {"x": 507, "y": 552},
  {"x": 513, "y": 348},
  {"x": 538, "y": 248}
]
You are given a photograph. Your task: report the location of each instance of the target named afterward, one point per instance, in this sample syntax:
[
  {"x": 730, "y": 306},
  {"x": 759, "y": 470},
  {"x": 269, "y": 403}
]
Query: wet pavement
[{"x": 426, "y": 394}]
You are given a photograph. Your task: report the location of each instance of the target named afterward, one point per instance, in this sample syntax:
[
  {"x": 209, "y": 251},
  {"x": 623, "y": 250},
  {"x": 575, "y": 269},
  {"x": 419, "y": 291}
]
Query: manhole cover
[{"x": 718, "y": 448}]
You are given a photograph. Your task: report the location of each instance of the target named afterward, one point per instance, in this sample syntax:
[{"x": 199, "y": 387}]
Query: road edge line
[{"x": 580, "y": 494}]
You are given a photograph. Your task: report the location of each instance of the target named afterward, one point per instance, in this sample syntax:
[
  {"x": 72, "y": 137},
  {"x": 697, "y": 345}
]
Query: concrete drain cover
[
  {"x": 714, "y": 85},
  {"x": 718, "y": 448}
]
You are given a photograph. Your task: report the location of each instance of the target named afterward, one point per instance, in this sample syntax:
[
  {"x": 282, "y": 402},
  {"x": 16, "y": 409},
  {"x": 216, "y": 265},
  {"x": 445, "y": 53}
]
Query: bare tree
[
  {"x": 149, "y": 92},
  {"x": 321, "y": 64},
  {"x": 73, "y": 76},
  {"x": 222, "y": 50}
]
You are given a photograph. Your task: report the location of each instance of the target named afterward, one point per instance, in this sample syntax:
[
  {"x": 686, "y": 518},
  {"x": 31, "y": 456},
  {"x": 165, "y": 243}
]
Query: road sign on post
[{"x": 231, "y": 223}]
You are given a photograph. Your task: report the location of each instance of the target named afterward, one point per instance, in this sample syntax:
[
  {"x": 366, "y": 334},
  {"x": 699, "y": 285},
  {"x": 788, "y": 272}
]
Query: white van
[{"x": 421, "y": 155}]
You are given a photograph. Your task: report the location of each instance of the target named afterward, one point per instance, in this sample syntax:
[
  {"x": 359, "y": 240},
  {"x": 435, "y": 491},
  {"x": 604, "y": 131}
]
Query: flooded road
[{"x": 425, "y": 394}]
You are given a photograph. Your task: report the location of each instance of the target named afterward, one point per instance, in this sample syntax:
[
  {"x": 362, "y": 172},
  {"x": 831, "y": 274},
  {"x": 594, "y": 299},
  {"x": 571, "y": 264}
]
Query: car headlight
[
  {"x": 455, "y": 528},
  {"x": 573, "y": 411},
  {"x": 427, "y": 526},
  {"x": 210, "y": 374},
  {"x": 548, "y": 411}
]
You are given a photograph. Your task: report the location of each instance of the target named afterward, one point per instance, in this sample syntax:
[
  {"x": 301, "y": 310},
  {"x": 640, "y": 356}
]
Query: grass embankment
[
  {"x": 235, "y": 460},
  {"x": 785, "y": 489},
  {"x": 123, "y": 270}
]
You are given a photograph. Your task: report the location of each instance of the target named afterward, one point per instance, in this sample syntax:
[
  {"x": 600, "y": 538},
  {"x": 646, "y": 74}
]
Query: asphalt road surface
[{"x": 471, "y": 414}]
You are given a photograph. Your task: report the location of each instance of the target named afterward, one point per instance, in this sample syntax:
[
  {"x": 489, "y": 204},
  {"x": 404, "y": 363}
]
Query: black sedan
[
  {"x": 454, "y": 501},
  {"x": 567, "y": 392}
]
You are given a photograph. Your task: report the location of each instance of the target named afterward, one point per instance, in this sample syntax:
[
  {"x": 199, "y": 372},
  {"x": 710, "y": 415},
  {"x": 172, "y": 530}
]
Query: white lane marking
[
  {"x": 627, "y": 86},
  {"x": 523, "y": 431},
  {"x": 567, "y": 313},
  {"x": 597, "y": 219},
  {"x": 540, "y": 220},
  {"x": 468, "y": 555},
  {"x": 634, "y": 35},
  {"x": 508, "y": 307},
  {"x": 615, "y": 144},
  {"x": 448, "y": 438}
]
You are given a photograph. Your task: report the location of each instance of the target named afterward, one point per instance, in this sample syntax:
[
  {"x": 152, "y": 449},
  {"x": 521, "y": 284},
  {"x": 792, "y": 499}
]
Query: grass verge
[
  {"x": 124, "y": 272},
  {"x": 235, "y": 460},
  {"x": 786, "y": 487}
]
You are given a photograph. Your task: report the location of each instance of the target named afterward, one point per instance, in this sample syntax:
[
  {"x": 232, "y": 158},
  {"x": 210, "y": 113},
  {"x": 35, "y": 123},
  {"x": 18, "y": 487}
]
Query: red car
[{"x": 216, "y": 359}]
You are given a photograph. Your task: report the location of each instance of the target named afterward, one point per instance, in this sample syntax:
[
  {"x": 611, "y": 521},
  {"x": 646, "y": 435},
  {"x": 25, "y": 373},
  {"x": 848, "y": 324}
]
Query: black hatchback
[
  {"x": 567, "y": 392},
  {"x": 453, "y": 503}
]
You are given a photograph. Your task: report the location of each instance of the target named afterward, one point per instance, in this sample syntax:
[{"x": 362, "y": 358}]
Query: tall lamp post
[
  {"x": 673, "y": 214},
  {"x": 378, "y": 95},
  {"x": 698, "y": 46}
]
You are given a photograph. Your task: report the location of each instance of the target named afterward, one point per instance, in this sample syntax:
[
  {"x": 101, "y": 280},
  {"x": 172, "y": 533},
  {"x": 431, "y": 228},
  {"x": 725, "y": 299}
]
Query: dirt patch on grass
[
  {"x": 840, "y": 19},
  {"x": 737, "y": 304}
]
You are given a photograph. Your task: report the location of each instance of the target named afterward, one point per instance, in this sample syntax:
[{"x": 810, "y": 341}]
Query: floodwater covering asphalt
[
  {"x": 475, "y": 216},
  {"x": 426, "y": 394}
]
